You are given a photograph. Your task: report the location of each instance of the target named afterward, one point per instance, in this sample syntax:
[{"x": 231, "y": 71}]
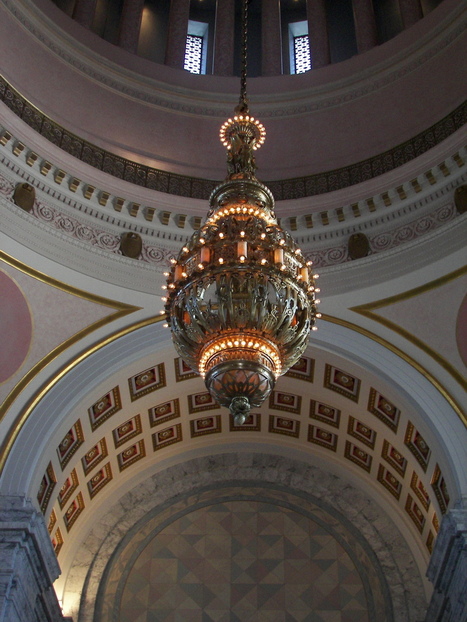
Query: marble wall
[{"x": 95, "y": 580}]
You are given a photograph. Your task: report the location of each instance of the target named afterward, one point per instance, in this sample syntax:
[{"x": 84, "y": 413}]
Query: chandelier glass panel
[{"x": 241, "y": 298}]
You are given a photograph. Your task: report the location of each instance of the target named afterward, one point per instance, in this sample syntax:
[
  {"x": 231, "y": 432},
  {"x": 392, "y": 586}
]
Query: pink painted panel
[
  {"x": 461, "y": 330},
  {"x": 15, "y": 326}
]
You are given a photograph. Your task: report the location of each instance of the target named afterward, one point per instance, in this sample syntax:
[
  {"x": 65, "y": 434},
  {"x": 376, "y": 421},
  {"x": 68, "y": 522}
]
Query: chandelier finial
[{"x": 243, "y": 134}]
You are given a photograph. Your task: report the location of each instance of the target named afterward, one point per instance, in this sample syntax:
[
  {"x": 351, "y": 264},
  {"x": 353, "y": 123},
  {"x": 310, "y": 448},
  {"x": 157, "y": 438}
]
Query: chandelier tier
[{"x": 241, "y": 298}]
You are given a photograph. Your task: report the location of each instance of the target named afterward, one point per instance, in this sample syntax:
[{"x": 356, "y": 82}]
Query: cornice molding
[
  {"x": 171, "y": 183},
  {"x": 73, "y": 229}
]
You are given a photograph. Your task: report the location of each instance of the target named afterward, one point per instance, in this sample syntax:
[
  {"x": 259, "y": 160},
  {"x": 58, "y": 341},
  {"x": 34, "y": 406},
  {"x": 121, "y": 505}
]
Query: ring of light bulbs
[{"x": 245, "y": 124}]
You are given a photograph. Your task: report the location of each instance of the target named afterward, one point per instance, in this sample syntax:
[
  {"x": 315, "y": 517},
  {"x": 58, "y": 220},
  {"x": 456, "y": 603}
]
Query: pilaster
[
  {"x": 84, "y": 11},
  {"x": 365, "y": 25},
  {"x": 271, "y": 38},
  {"x": 318, "y": 33},
  {"x": 130, "y": 25},
  {"x": 224, "y": 38},
  {"x": 179, "y": 16},
  {"x": 411, "y": 12}
]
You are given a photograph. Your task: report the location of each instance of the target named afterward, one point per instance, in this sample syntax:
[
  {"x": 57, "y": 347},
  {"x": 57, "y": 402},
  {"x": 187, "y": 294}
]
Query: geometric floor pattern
[{"x": 243, "y": 560}]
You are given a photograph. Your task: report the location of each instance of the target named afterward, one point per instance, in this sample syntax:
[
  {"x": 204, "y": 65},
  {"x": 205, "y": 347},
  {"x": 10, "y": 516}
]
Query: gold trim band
[
  {"x": 122, "y": 309},
  {"x": 367, "y": 311},
  {"x": 10, "y": 438}
]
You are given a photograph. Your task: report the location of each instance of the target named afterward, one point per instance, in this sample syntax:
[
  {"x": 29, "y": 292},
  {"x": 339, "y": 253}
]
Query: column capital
[{"x": 29, "y": 565}]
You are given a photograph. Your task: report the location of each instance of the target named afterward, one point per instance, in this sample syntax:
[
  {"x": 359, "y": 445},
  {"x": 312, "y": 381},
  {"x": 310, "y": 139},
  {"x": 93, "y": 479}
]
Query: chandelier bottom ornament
[{"x": 240, "y": 385}]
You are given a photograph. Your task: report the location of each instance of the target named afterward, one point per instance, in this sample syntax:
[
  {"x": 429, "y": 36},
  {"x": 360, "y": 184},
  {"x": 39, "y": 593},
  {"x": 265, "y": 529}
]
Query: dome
[{"x": 129, "y": 488}]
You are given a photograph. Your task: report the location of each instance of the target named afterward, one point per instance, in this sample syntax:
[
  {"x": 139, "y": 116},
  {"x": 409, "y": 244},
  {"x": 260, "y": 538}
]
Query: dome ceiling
[
  {"x": 114, "y": 439},
  {"x": 316, "y": 122}
]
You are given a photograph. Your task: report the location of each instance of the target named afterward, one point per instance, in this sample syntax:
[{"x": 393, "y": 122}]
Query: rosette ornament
[{"x": 241, "y": 299}]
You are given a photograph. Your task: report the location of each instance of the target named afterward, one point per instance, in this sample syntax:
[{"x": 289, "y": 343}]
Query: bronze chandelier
[{"x": 241, "y": 299}]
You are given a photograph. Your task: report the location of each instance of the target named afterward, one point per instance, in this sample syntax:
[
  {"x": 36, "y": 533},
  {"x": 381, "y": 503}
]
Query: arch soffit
[{"x": 391, "y": 376}]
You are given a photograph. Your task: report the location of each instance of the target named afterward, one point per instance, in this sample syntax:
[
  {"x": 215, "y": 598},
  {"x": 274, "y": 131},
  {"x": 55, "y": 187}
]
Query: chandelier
[{"x": 241, "y": 298}]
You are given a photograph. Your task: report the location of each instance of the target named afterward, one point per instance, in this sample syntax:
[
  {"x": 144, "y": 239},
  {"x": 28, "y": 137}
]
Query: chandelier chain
[
  {"x": 243, "y": 95},
  {"x": 241, "y": 299}
]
